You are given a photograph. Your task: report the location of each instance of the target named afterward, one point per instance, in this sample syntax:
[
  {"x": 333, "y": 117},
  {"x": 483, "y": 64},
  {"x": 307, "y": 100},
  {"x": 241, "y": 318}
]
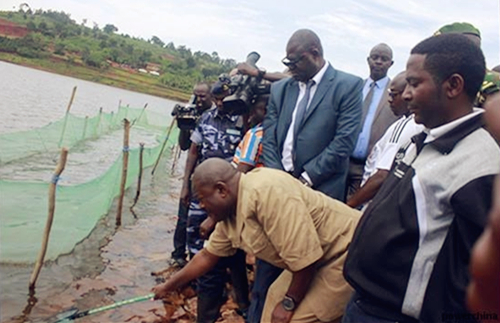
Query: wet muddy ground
[{"x": 111, "y": 265}]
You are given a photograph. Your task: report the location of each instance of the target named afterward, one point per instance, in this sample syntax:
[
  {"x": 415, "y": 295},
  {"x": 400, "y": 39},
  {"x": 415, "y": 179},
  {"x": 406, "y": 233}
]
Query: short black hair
[{"x": 448, "y": 54}]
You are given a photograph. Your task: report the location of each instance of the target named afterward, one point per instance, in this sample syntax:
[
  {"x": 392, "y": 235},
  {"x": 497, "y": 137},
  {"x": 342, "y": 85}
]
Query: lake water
[{"x": 31, "y": 98}]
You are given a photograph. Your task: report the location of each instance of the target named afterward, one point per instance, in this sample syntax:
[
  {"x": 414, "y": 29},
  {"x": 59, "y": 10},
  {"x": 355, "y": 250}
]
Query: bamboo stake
[
  {"x": 98, "y": 125},
  {"x": 52, "y": 206},
  {"x": 85, "y": 127},
  {"x": 163, "y": 146},
  {"x": 124, "y": 171},
  {"x": 177, "y": 154},
  {"x": 66, "y": 116},
  {"x": 139, "y": 179}
]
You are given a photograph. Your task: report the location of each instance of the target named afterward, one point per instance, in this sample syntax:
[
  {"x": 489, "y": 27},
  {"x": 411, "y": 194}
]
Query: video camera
[
  {"x": 186, "y": 115},
  {"x": 243, "y": 89}
]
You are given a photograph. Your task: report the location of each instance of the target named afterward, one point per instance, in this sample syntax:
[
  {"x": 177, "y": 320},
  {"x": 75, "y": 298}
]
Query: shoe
[{"x": 178, "y": 262}]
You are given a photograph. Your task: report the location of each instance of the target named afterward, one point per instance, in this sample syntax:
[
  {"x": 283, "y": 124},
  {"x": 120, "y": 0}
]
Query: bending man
[{"x": 274, "y": 216}]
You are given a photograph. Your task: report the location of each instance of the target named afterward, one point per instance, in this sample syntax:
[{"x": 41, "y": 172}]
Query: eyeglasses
[
  {"x": 394, "y": 94},
  {"x": 292, "y": 62}
]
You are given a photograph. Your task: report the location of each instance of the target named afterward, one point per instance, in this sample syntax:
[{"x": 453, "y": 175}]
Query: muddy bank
[{"x": 110, "y": 265}]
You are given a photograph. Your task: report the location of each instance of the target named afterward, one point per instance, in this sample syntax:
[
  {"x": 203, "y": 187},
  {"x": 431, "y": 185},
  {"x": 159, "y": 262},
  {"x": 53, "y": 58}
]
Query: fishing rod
[{"x": 68, "y": 318}]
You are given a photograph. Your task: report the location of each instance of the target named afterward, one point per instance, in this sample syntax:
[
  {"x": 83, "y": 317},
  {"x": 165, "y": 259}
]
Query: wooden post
[
  {"x": 96, "y": 129},
  {"x": 66, "y": 116},
  {"x": 139, "y": 180},
  {"x": 163, "y": 146},
  {"x": 124, "y": 171},
  {"x": 177, "y": 154},
  {"x": 52, "y": 206},
  {"x": 85, "y": 127},
  {"x": 142, "y": 112}
]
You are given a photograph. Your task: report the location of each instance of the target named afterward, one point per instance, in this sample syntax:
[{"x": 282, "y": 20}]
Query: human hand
[
  {"x": 185, "y": 196},
  {"x": 247, "y": 69},
  {"x": 162, "y": 290},
  {"x": 207, "y": 227},
  {"x": 280, "y": 315}
]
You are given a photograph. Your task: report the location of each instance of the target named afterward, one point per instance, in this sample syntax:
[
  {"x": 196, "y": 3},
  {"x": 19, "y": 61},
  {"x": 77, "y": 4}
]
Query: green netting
[
  {"x": 24, "y": 205},
  {"x": 73, "y": 130}
]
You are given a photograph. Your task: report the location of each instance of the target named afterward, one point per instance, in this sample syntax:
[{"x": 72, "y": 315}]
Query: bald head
[
  {"x": 382, "y": 47},
  {"x": 379, "y": 61},
  {"x": 213, "y": 170},
  {"x": 304, "y": 40},
  {"x": 496, "y": 68},
  {"x": 399, "y": 81},
  {"x": 215, "y": 183}
]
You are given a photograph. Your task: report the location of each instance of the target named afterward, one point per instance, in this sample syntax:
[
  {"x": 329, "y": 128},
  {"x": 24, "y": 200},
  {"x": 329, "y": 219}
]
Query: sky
[{"x": 348, "y": 29}]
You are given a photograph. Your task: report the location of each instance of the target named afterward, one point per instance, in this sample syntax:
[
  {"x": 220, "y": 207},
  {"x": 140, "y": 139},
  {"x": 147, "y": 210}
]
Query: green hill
[{"x": 52, "y": 41}]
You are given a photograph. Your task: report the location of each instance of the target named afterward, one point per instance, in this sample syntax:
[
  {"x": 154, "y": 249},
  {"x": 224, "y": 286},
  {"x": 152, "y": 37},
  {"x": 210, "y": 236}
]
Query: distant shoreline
[{"x": 116, "y": 77}]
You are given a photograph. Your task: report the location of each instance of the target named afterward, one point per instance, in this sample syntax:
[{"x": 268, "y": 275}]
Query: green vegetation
[{"x": 55, "y": 42}]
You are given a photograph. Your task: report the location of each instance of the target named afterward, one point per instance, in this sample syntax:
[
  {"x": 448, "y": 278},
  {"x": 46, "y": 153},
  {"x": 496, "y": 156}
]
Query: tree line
[{"x": 54, "y": 34}]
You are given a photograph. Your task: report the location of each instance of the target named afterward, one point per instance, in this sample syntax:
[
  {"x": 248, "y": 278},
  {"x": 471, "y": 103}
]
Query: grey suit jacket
[
  {"x": 382, "y": 120},
  {"x": 328, "y": 134}
]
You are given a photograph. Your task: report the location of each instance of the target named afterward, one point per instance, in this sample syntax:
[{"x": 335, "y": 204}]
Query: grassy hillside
[{"x": 54, "y": 42}]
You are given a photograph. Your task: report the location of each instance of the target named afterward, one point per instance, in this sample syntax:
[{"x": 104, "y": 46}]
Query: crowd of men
[{"x": 361, "y": 200}]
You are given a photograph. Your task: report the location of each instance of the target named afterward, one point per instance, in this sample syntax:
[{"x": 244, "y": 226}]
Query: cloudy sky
[{"x": 348, "y": 29}]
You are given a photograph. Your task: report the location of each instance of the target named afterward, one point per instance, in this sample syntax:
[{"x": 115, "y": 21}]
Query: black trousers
[
  {"x": 211, "y": 287},
  {"x": 180, "y": 233}
]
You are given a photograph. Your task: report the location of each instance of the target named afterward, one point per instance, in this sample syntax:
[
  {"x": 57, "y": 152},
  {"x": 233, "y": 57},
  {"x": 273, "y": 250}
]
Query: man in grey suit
[
  {"x": 312, "y": 139},
  {"x": 376, "y": 116},
  {"x": 310, "y": 129}
]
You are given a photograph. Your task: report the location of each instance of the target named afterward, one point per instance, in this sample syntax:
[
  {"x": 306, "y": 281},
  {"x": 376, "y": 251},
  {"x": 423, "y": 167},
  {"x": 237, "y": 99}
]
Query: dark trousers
[
  {"x": 180, "y": 233},
  {"x": 265, "y": 275},
  {"x": 354, "y": 313},
  {"x": 211, "y": 287},
  {"x": 354, "y": 177}
]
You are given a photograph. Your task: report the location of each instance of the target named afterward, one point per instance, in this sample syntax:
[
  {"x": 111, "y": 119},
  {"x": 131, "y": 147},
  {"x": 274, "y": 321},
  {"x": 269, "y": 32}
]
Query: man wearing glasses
[
  {"x": 310, "y": 129},
  {"x": 376, "y": 117},
  {"x": 381, "y": 158}
]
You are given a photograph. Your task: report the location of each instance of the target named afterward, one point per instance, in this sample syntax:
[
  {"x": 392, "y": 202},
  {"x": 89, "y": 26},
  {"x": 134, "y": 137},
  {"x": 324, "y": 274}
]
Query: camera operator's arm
[
  {"x": 247, "y": 69},
  {"x": 192, "y": 158}
]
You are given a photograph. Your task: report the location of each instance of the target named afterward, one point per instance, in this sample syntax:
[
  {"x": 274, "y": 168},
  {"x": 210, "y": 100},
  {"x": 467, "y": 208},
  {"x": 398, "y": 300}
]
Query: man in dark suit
[
  {"x": 376, "y": 116},
  {"x": 310, "y": 129},
  {"x": 312, "y": 139}
]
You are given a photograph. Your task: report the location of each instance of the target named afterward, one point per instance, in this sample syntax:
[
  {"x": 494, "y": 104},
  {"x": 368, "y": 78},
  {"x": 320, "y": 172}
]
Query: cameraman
[
  {"x": 203, "y": 101},
  {"x": 217, "y": 134}
]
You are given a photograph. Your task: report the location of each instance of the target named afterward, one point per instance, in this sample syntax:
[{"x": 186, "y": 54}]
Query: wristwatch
[{"x": 288, "y": 304}]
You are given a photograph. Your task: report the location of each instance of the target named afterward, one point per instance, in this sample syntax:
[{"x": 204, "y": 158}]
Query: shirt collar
[
  {"x": 381, "y": 84},
  {"x": 445, "y": 137},
  {"x": 435, "y": 133},
  {"x": 318, "y": 76}
]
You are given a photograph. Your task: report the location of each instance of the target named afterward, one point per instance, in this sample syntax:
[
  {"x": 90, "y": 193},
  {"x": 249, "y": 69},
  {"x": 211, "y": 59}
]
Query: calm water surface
[{"x": 30, "y": 98}]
